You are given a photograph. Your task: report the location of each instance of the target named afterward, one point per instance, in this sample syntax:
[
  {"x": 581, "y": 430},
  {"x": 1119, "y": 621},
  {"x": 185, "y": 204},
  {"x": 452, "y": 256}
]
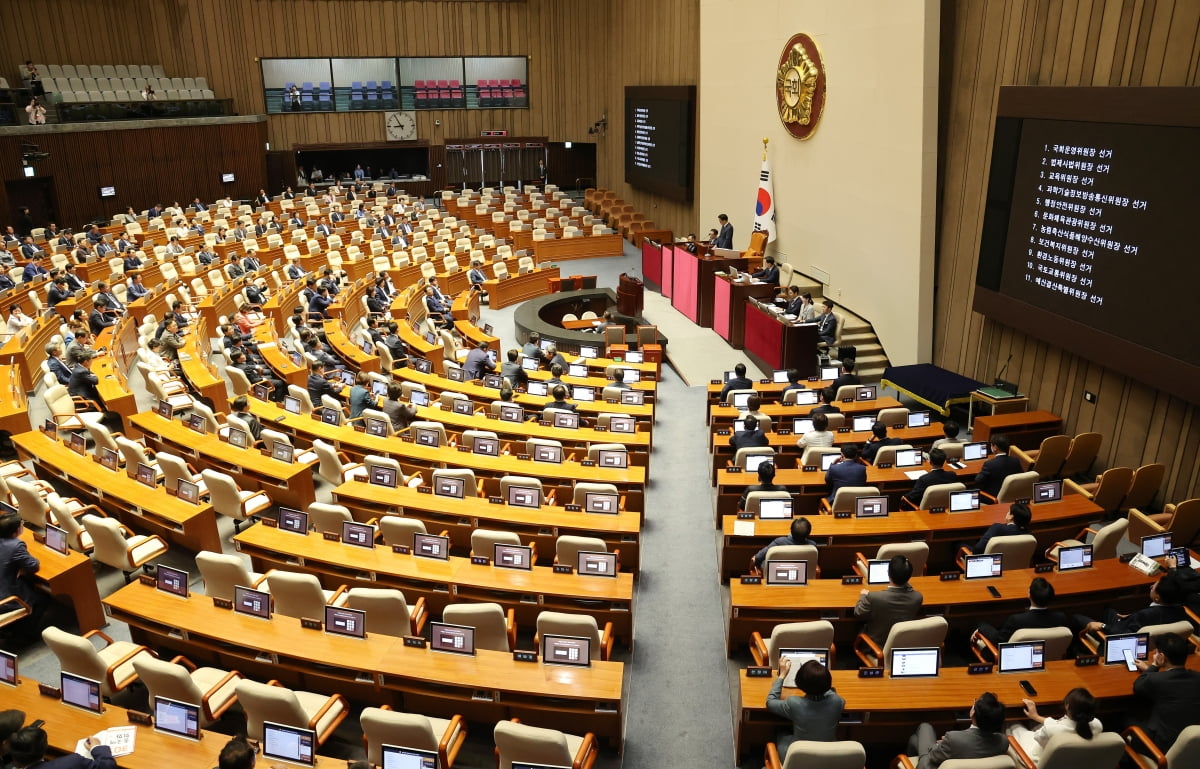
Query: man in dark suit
[
  {"x": 17, "y": 570},
  {"x": 511, "y": 369},
  {"x": 318, "y": 385},
  {"x": 294, "y": 270},
  {"x": 28, "y": 746},
  {"x": 879, "y": 439},
  {"x": 800, "y": 534},
  {"x": 937, "y": 475},
  {"x": 29, "y": 249},
  {"x": 725, "y": 236},
  {"x": 769, "y": 273},
  {"x": 1015, "y": 522},
  {"x": 251, "y": 263},
  {"x": 985, "y": 737},
  {"x": 1039, "y": 615},
  {"x": 58, "y": 292},
  {"x": 323, "y": 227},
  {"x": 254, "y": 374},
  {"x": 55, "y": 363},
  {"x": 73, "y": 281},
  {"x": 847, "y": 471},
  {"x": 751, "y": 437},
  {"x": 34, "y": 269},
  {"x": 826, "y": 324},
  {"x": 560, "y": 399},
  {"x": 1172, "y": 691},
  {"x": 1166, "y": 605},
  {"x": 336, "y": 217},
  {"x": 898, "y": 602},
  {"x": 991, "y": 476},
  {"x": 848, "y": 376},
  {"x": 477, "y": 363},
  {"x": 828, "y": 395},
  {"x": 737, "y": 382},
  {"x": 100, "y": 319}
]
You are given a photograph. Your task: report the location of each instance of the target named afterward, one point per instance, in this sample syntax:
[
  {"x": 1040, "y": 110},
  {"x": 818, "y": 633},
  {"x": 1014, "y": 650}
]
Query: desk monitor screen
[
  {"x": 347, "y": 377},
  {"x": 1153, "y": 546},
  {"x": 261, "y": 391},
  {"x": 464, "y": 407},
  {"x": 524, "y": 496},
  {"x": 427, "y": 436},
  {"x": 909, "y": 458},
  {"x": 377, "y": 427},
  {"x": 8, "y": 668},
  {"x": 620, "y": 458},
  {"x": 877, "y": 572},
  {"x": 173, "y": 581},
  {"x": 529, "y": 364},
  {"x": 740, "y": 399},
  {"x": 566, "y": 650},
  {"x": 537, "y": 387},
  {"x": 779, "y": 377},
  {"x": 145, "y": 475},
  {"x": 454, "y": 374},
  {"x": 1022, "y": 657},
  {"x": 806, "y": 397},
  {"x": 421, "y": 364},
  {"x": 295, "y": 521},
  {"x": 1115, "y": 647},
  {"x": 486, "y": 445},
  {"x": 546, "y": 344},
  {"x": 197, "y": 423},
  {"x": 1077, "y": 557},
  {"x": 297, "y": 359},
  {"x": 459, "y": 639},
  {"x": 597, "y": 564},
  {"x": 577, "y": 369},
  {"x": 775, "y": 509},
  {"x": 291, "y": 404},
  {"x": 176, "y": 718},
  {"x": 290, "y": 744},
  {"x": 964, "y": 501},
  {"x": 800, "y": 656},
  {"x": 431, "y": 546},
  {"x": 802, "y": 425},
  {"x": 552, "y": 454},
  {"x": 164, "y": 410},
  {"x": 787, "y": 572},
  {"x": 512, "y": 414},
  {"x": 871, "y": 507},
  {"x": 601, "y": 502},
  {"x": 632, "y": 397},
  {"x": 1047, "y": 491},
  {"x": 567, "y": 420},
  {"x": 512, "y": 556},
  {"x": 419, "y": 398},
  {"x": 450, "y": 487},
  {"x": 863, "y": 424},
  {"x": 634, "y": 356},
  {"x": 382, "y": 476},
  {"x": 827, "y": 460},
  {"x": 918, "y": 419},
  {"x": 56, "y": 539},
  {"x": 347, "y": 622},
  {"x": 256, "y": 603},
  {"x": 915, "y": 662},
  {"x": 865, "y": 393},
  {"x": 282, "y": 451},
  {"x": 990, "y": 566},
  {"x": 487, "y": 328},
  {"x": 830, "y": 372},
  {"x": 397, "y": 757},
  {"x": 631, "y": 376},
  {"x": 77, "y": 443},
  {"x": 358, "y": 534},
  {"x": 583, "y": 393},
  {"x": 589, "y": 351},
  {"x": 109, "y": 458},
  {"x": 379, "y": 388},
  {"x": 622, "y": 424},
  {"x": 973, "y": 451},
  {"x": 80, "y": 692}
]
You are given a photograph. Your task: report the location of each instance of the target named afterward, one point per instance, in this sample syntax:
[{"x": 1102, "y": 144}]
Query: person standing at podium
[{"x": 725, "y": 236}]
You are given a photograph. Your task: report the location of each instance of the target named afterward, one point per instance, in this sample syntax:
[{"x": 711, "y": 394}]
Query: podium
[
  {"x": 629, "y": 295},
  {"x": 729, "y": 307},
  {"x": 775, "y": 344}
]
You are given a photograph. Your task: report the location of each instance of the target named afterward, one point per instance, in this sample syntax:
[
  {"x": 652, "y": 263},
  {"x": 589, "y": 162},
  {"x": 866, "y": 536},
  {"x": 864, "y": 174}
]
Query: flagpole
[{"x": 765, "y": 140}]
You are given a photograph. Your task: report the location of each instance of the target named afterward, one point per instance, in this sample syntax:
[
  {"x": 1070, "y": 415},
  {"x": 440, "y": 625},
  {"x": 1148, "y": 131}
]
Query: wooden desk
[
  {"x": 199, "y": 371},
  {"x": 1024, "y": 429},
  {"x": 356, "y": 358},
  {"x": 729, "y": 307},
  {"x": 997, "y": 405},
  {"x": 71, "y": 579},
  {"x": 139, "y": 507},
  {"x": 586, "y": 247},
  {"x": 518, "y": 288},
  {"x": 14, "y": 406},
  {"x": 460, "y": 517},
  {"x": 777, "y": 411},
  {"x": 774, "y": 343}
]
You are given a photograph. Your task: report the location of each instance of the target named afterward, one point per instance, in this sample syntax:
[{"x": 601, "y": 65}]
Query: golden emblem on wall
[{"x": 800, "y": 86}]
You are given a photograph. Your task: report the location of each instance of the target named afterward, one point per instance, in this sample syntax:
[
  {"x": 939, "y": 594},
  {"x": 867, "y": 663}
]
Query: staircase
[{"x": 872, "y": 360}]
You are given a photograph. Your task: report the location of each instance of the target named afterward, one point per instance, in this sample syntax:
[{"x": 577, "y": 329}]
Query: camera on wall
[
  {"x": 600, "y": 126},
  {"x": 31, "y": 152}
]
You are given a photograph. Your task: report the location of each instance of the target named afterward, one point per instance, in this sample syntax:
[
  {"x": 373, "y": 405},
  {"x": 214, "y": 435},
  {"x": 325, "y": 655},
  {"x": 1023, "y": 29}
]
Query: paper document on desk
[
  {"x": 743, "y": 528},
  {"x": 119, "y": 739},
  {"x": 914, "y": 474}
]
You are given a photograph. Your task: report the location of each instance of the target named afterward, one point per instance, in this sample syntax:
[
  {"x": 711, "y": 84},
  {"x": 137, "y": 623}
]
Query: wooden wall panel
[{"x": 1055, "y": 43}]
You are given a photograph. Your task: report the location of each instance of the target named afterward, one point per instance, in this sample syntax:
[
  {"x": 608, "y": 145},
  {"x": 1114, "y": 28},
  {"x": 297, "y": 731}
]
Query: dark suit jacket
[
  {"x": 15, "y": 557},
  {"x": 1032, "y": 618},
  {"x": 845, "y": 473},
  {"x": 749, "y": 439},
  {"x": 871, "y": 448},
  {"x": 725, "y": 237},
  {"x": 318, "y": 386},
  {"x": 881, "y": 609},
  {"x": 83, "y": 384},
  {"x": 768, "y": 275},
  {"x": 60, "y": 370},
  {"x": 827, "y": 327},
  {"x": 844, "y": 379},
  {"x": 736, "y": 383},
  {"x": 991, "y": 476},
  {"x": 1151, "y": 615},
  {"x": 965, "y": 743},
  {"x": 932, "y": 478},
  {"x": 1174, "y": 697},
  {"x": 101, "y": 759}
]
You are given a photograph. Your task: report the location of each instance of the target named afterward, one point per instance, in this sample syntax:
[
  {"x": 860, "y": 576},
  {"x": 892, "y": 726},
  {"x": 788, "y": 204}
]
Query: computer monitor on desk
[
  {"x": 806, "y": 397},
  {"x": 871, "y": 507},
  {"x": 1022, "y": 657},
  {"x": 178, "y": 719},
  {"x": 964, "y": 501},
  {"x": 775, "y": 509},
  {"x": 1115, "y": 646},
  {"x": 80, "y": 692},
  {"x": 877, "y": 572},
  {"x": 787, "y": 572},
  {"x": 863, "y": 424},
  {"x": 798, "y": 657},
  {"x": 802, "y": 425},
  {"x": 919, "y": 662},
  {"x": 974, "y": 451},
  {"x": 989, "y": 566},
  {"x": 397, "y": 757},
  {"x": 289, "y": 744},
  {"x": 1047, "y": 491},
  {"x": 1076, "y": 557},
  {"x": 566, "y": 650}
]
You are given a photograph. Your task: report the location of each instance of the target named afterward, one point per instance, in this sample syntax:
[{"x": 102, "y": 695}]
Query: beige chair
[
  {"x": 387, "y": 611},
  {"x": 211, "y": 689},
  {"x": 807, "y": 553},
  {"x": 1183, "y": 754},
  {"x": 384, "y": 726},
  {"x": 301, "y": 394},
  {"x": 437, "y": 427},
  {"x": 937, "y": 495},
  {"x": 742, "y": 457},
  {"x": 843, "y": 501},
  {"x": 754, "y": 499},
  {"x": 228, "y": 500},
  {"x": 1182, "y": 520},
  {"x": 270, "y": 438},
  {"x": 1104, "y": 541},
  {"x": 927, "y": 631},
  {"x": 65, "y": 518},
  {"x": 495, "y": 629},
  {"x": 31, "y": 504},
  {"x": 483, "y": 541},
  {"x": 62, "y": 408},
  {"x": 301, "y": 595},
  {"x": 1108, "y": 491},
  {"x": 580, "y": 625},
  {"x": 521, "y": 480},
  {"x": 174, "y": 470},
  {"x": 118, "y": 547},
  {"x": 111, "y": 664},
  {"x": 517, "y": 742},
  {"x": 1070, "y": 751},
  {"x": 812, "y": 455},
  {"x": 398, "y": 530},
  {"x": 221, "y": 572},
  {"x": 568, "y": 547},
  {"x": 334, "y": 467},
  {"x": 817, "y": 634},
  {"x": 917, "y": 554},
  {"x": 372, "y": 460},
  {"x": 952, "y": 450},
  {"x": 1047, "y": 460},
  {"x": 136, "y": 454},
  {"x": 893, "y": 417},
  {"x": 103, "y": 437},
  {"x": 1144, "y": 487},
  {"x": 305, "y": 710},
  {"x": 1016, "y": 486},
  {"x": 1092, "y": 640},
  {"x": 887, "y": 454},
  {"x": 801, "y": 754},
  {"x": 1057, "y": 639},
  {"x": 324, "y": 517},
  {"x": 583, "y": 488},
  {"x": 1085, "y": 447}
]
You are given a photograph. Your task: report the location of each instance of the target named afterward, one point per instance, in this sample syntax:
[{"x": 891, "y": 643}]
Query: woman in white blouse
[
  {"x": 819, "y": 435},
  {"x": 1080, "y": 718}
]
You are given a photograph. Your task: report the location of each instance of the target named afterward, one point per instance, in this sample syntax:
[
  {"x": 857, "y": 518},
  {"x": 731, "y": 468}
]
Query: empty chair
[
  {"x": 1108, "y": 490},
  {"x": 817, "y": 634},
  {"x": 483, "y": 541},
  {"x": 568, "y": 547},
  {"x": 119, "y": 548},
  {"x": 135, "y": 454},
  {"x": 1047, "y": 460},
  {"x": 843, "y": 754},
  {"x": 1017, "y": 550},
  {"x": 222, "y": 572},
  {"x": 1058, "y": 641},
  {"x": 893, "y": 417},
  {"x": 812, "y": 455},
  {"x": 399, "y": 530},
  {"x": 509, "y": 481},
  {"x": 174, "y": 469},
  {"x": 580, "y": 625},
  {"x": 272, "y": 438},
  {"x": 520, "y": 743},
  {"x": 928, "y": 631},
  {"x": 111, "y": 664},
  {"x": 324, "y": 517},
  {"x": 494, "y": 628},
  {"x": 63, "y": 411},
  {"x": 1104, "y": 541},
  {"x": 1144, "y": 487},
  {"x": 742, "y": 457},
  {"x": 387, "y": 611},
  {"x": 301, "y": 595},
  {"x": 211, "y": 689},
  {"x": 305, "y": 710},
  {"x": 887, "y": 454},
  {"x": 1085, "y": 447},
  {"x": 65, "y": 518},
  {"x": 384, "y": 726},
  {"x": 1182, "y": 520},
  {"x": 334, "y": 467},
  {"x": 807, "y": 553},
  {"x": 228, "y": 500}
]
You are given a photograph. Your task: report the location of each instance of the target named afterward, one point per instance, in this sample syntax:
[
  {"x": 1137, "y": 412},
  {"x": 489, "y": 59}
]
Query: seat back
[
  {"x": 111, "y": 548},
  {"x": 893, "y": 417},
  {"x": 221, "y": 572},
  {"x": 387, "y": 727},
  {"x": 807, "y": 553},
  {"x": 102, "y": 437},
  {"x": 1144, "y": 487},
  {"x": 843, "y": 501},
  {"x": 483, "y": 541},
  {"x": 174, "y": 469},
  {"x": 531, "y": 745},
  {"x": 952, "y": 450},
  {"x": 582, "y": 489},
  {"x": 729, "y": 396},
  {"x": 223, "y": 493},
  {"x": 328, "y": 518},
  {"x": 398, "y": 530},
  {"x": 1112, "y": 488},
  {"x": 1182, "y": 628},
  {"x": 1084, "y": 449},
  {"x": 386, "y": 609},
  {"x": 77, "y": 536},
  {"x": 1186, "y": 750},
  {"x": 491, "y": 632},
  {"x": 1104, "y": 545},
  {"x": 301, "y": 393},
  {"x": 938, "y": 495},
  {"x": 1051, "y": 455},
  {"x": 1070, "y": 751},
  {"x": 262, "y": 702},
  {"x": 521, "y": 480},
  {"x": 30, "y": 505},
  {"x": 742, "y": 457},
  {"x": 812, "y": 455},
  {"x": 845, "y": 754},
  {"x": 77, "y": 655},
  {"x": 817, "y": 634},
  {"x": 58, "y": 401},
  {"x": 466, "y": 475},
  {"x": 1017, "y": 486},
  {"x": 568, "y": 546},
  {"x": 297, "y": 595},
  {"x": 917, "y": 553},
  {"x": 1058, "y": 639},
  {"x": 1002, "y": 761},
  {"x": 1185, "y": 523},
  {"x": 1016, "y": 548},
  {"x": 168, "y": 679},
  {"x": 927, "y": 631},
  {"x": 754, "y": 499},
  {"x": 582, "y": 625},
  {"x": 887, "y": 454}
]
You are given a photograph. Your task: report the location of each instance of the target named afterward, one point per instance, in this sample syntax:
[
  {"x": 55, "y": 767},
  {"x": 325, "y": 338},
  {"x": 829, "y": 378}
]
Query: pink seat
[
  {"x": 418, "y": 84},
  {"x": 494, "y": 83},
  {"x": 516, "y": 83},
  {"x": 504, "y": 83},
  {"x": 454, "y": 84},
  {"x": 443, "y": 84}
]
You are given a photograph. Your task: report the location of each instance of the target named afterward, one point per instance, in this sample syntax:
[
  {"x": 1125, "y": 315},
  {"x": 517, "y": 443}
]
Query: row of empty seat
[
  {"x": 52, "y": 85},
  {"x": 168, "y": 95},
  {"x": 100, "y": 70}
]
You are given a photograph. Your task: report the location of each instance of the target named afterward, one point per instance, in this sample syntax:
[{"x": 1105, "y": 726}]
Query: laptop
[
  {"x": 178, "y": 719},
  {"x": 787, "y": 572},
  {"x": 297, "y": 360},
  {"x": 589, "y": 351},
  {"x": 512, "y": 556},
  {"x": 830, "y": 372},
  {"x": 419, "y": 398},
  {"x": 806, "y": 397},
  {"x": 398, "y": 757},
  {"x": 865, "y": 393},
  {"x": 289, "y": 744},
  {"x": 427, "y": 436},
  {"x": 601, "y": 502},
  {"x": 82, "y": 693},
  {"x": 358, "y": 534},
  {"x": 863, "y": 424},
  {"x": 877, "y": 572},
  {"x": 596, "y": 564},
  {"x": 255, "y": 603},
  {"x": 1077, "y": 557},
  {"x": 871, "y": 507},
  {"x": 450, "y": 487},
  {"x": 109, "y": 458},
  {"x": 566, "y": 650},
  {"x": 536, "y": 387},
  {"x": 56, "y": 539},
  {"x": 973, "y": 451},
  {"x": 291, "y": 404},
  {"x": 463, "y": 407},
  {"x": 1022, "y": 657},
  {"x": 377, "y": 427},
  {"x": 187, "y": 491},
  {"x": 918, "y": 419},
  {"x": 775, "y": 509},
  {"x": 486, "y": 446},
  {"x": 583, "y": 394},
  {"x": 798, "y": 657},
  {"x": 964, "y": 501},
  {"x": 512, "y": 414},
  {"x": 458, "y": 639},
  {"x": 524, "y": 496},
  {"x": 577, "y": 369},
  {"x": 172, "y": 581},
  {"x": 779, "y": 377},
  {"x": 622, "y": 424},
  {"x": 740, "y": 400},
  {"x": 909, "y": 458},
  {"x": 1153, "y": 546},
  {"x": 552, "y": 454},
  {"x": 620, "y": 459},
  {"x": 566, "y": 420},
  {"x": 378, "y": 475},
  {"x": 632, "y": 397},
  {"x": 802, "y": 425},
  {"x": 1047, "y": 491},
  {"x": 1116, "y": 646},
  {"x": 8, "y": 668},
  {"x": 347, "y": 622},
  {"x": 984, "y": 566},
  {"x": 827, "y": 460},
  {"x": 431, "y": 546},
  {"x": 529, "y": 364},
  {"x": 915, "y": 662},
  {"x": 295, "y": 521}
]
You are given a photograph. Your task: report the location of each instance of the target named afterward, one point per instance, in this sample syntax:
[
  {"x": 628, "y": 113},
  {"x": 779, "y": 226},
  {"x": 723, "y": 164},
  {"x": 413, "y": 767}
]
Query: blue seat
[
  {"x": 385, "y": 84},
  {"x": 356, "y": 100},
  {"x": 356, "y": 85},
  {"x": 326, "y": 86},
  {"x": 326, "y": 97},
  {"x": 372, "y": 100},
  {"x": 371, "y": 85}
]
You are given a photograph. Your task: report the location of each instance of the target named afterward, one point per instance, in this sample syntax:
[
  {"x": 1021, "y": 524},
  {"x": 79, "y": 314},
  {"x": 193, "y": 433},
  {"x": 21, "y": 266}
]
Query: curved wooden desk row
[
  {"x": 460, "y": 517},
  {"x": 841, "y": 538},
  {"x": 780, "y": 414},
  {"x": 455, "y": 580},
  {"x": 197, "y": 368},
  {"x": 14, "y": 406},
  {"x": 70, "y": 578},
  {"x": 518, "y": 288},
  {"x": 487, "y": 687},
  {"x": 769, "y": 392},
  {"x": 145, "y": 510},
  {"x": 964, "y": 603}
]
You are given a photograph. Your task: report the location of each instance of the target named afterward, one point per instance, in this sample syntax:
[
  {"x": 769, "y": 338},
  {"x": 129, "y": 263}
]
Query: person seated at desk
[
  {"x": 794, "y": 382},
  {"x": 937, "y": 473},
  {"x": 827, "y": 397},
  {"x": 769, "y": 273},
  {"x": 879, "y": 439},
  {"x": 100, "y": 319},
  {"x": 991, "y": 476},
  {"x": 737, "y": 382},
  {"x": 1038, "y": 616},
  {"x": 818, "y": 436},
  {"x": 1166, "y": 606},
  {"x": 318, "y": 306},
  {"x": 172, "y": 340},
  {"x": 826, "y": 324},
  {"x": 56, "y": 364},
  {"x": 1172, "y": 691},
  {"x": 1016, "y": 521},
  {"x": 10, "y": 722},
  {"x": 27, "y": 748},
  {"x": 807, "y": 311},
  {"x": 401, "y": 414},
  {"x": 477, "y": 277},
  {"x": 512, "y": 371},
  {"x": 395, "y": 345},
  {"x": 800, "y": 534},
  {"x": 134, "y": 288},
  {"x": 898, "y": 602},
  {"x": 319, "y": 385},
  {"x": 6, "y": 282},
  {"x": 532, "y": 347},
  {"x": 314, "y": 347},
  {"x": 34, "y": 269},
  {"x": 950, "y": 430},
  {"x": 556, "y": 374},
  {"x": 18, "y": 570},
  {"x": 255, "y": 374},
  {"x": 478, "y": 363},
  {"x": 560, "y": 400},
  {"x": 378, "y": 300},
  {"x": 751, "y": 437},
  {"x": 983, "y": 739},
  {"x": 154, "y": 359},
  {"x": 114, "y": 304},
  {"x": 848, "y": 377},
  {"x": 439, "y": 313},
  {"x": 132, "y": 261},
  {"x": 360, "y": 395},
  {"x": 18, "y": 321},
  {"x": 847, "y": 471},
  {"x": 1079, "y": 718},
  {"x": 553, "y": 356},
  {"x": 753, "y": 404},
  {"x": 241, "y": 410},
  {"x": 244, "y": 323},
  {"x": 814, "y": 716},
  {"x": 766, "y": 482}
]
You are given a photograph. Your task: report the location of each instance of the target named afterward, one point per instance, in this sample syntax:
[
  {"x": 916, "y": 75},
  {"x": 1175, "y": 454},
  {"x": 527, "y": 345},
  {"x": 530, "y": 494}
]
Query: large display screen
[
  {"x": 1090, "y": 225},
  {"x": 660, "y": 134}
]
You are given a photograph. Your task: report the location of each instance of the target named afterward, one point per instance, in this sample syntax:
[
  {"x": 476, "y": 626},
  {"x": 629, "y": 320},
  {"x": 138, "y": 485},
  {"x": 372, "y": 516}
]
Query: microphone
[{"x": 1004, "y": 367}]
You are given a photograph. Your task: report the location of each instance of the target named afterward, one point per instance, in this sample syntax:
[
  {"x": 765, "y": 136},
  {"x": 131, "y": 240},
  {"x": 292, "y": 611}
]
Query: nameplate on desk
[
  {"x": 562, "y": 568},
  {"x": 733, "y": 470},
  {"x": 573, "y": 508},
  {"x": 950, "y": 576},
  {"x": 600, "y": 429},
  {"x": 844, "y": 429},
  {"x": 408, "y": 438},
  {"x": 764, "y": 381},
  {"x": 496, "y": 500},
  {"x": 1021, "y": 501},
  {"x": 783, "y": 431},
  {"x": 331, "y": 536},
  {"x": 524, "y": 656},
  {"x": 758, "y": 671},
  {"x": 842, "y": 514},
  {"x": 870, "y": 672},
  {"x": 1087, "y": 660},
  {"x": 885, "y": 465},
  {"x": 847, "y": 400},
  {"x": 480, "y": 560},
  {"x": 808, "y": 469},
  {"x": 979, "y": 668},
  {"x": 46, "y": 690},
  {"x": 852, "y": 579},
  {"x": 523, "y": 457},
  {"x": 270, "y": 523},
  {"x": 310, "y": 624},
  {"x": 137, "y": 717},
  {"x": 611, "y": 400},
  {"x": 401, "y": 549},
  {"x": 147, "y": 580},
  {"x": 587, "y": 463},
  {"x": 490, "y": 415},
  {"x": 751, "y": 580},
  {"x": 715, "y": 381},
  {"x": 745, "y": 516},
  {"x": 463, "y": 448},
  {"x": 813, "y": 378},
  {"x": 545, "y": 423},
  {"x": 415, "y": 641},
  {"x": 1043, "y": 568},
  {"x": 222, "y": 603},
  {"x": 722, "y": 432},
  {"x": 938, "y": 509},
  {"x": 424, "y": 489}
]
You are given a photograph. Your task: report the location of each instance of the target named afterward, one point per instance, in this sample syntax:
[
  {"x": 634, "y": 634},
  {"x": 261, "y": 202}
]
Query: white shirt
[
  {"x": 18, "y": 322},
  {"x": 1033, "y": 741},
  {"x": 822, "y": 438}
]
